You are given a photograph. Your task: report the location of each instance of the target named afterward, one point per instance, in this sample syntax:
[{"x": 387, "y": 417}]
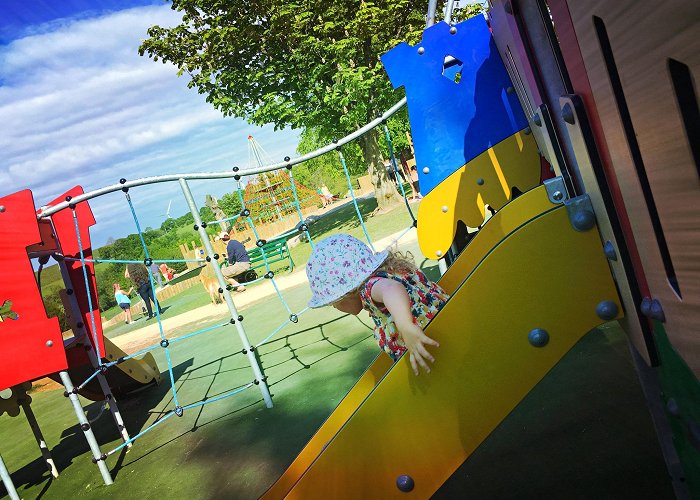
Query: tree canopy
[
  {"x": 300, "y": 64},
  {"x": 303, "y": 64}
]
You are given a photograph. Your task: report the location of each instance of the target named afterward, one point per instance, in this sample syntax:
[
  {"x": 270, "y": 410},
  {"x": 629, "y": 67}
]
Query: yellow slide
[
  {"x": 527, "y": 269},
  {"x": 123, "y": 378}
]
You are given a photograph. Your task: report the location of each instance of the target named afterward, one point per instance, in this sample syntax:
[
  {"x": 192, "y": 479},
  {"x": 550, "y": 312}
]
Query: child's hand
[{"x": 416, "y": 341}]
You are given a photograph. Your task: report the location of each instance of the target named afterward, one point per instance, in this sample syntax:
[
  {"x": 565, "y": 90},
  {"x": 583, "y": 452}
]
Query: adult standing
[
  {"x": 238, "y": 260},
  {"x": 138, "y": 274}
]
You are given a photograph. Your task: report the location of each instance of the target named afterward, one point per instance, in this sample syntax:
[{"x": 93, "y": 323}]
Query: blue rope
[
  {"x": 153, "y": 287},
  {"x": 87, "y": 289},
  {"x": 396, "y": 172},
  {"x": 218, "y": 398},
  {"x": 134, "y": 438},
  {"x": 354, "y": 200},
  {"x": 298, "y": 207}
]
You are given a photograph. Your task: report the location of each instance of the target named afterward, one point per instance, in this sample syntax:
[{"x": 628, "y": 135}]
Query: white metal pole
[
  {"x": 97, "y": 456},
  {"x": 259, "y": 377},
  {"x": 31, "y": 418},
  {"x": 5, "y": 476}
]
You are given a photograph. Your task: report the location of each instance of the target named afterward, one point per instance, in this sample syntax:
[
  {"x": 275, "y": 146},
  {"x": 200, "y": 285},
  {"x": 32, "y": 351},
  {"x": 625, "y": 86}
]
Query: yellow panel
[
  {"x": 544, "y": 275},
  {"x": 523, "y": 209},
  {"x": 142, "y": 370},
  {"x": 513, "y": 162}
]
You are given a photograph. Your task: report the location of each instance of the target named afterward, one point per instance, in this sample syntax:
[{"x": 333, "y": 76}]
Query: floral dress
[{"x": 427, "y": 298}]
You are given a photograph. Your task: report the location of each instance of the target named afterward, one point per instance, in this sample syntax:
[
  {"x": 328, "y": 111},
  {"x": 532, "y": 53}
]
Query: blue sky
[{"x": 79, "y": 106}]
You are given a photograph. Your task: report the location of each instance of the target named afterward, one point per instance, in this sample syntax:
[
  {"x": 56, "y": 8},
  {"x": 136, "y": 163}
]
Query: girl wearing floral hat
[{"x": 343, "y": 272}]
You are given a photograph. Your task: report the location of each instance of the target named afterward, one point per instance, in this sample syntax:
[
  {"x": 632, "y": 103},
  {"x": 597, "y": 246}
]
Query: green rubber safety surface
[{"x": 583, "y": 432}]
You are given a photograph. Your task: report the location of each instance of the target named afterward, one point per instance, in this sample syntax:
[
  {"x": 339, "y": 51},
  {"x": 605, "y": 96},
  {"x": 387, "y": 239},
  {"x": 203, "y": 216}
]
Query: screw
[
  {"x": 445, "y": 209},
  {"x": 426, "y": 170},
  {"x": 421, "y": 50},
  {"x": 558, "y": 195}
]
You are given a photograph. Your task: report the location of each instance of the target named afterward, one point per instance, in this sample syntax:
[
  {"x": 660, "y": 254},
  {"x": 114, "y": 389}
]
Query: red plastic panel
[
  {"x": 64, "y": 226},
  {"x": 31, "y": 346}
]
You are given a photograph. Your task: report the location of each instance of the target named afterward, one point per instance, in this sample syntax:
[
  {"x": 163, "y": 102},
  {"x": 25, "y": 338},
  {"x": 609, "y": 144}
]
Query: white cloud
[{"x": 78, "y": 105}]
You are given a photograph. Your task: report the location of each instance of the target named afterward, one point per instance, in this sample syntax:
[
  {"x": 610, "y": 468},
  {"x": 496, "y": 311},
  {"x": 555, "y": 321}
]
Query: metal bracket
[
  {"x": 556, "y": 190},
  {"x": 581, "y": 213},
  {"x": 546, "y": 138}
]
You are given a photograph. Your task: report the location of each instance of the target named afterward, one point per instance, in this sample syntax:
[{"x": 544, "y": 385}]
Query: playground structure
[{"x": 588, "y": 244}]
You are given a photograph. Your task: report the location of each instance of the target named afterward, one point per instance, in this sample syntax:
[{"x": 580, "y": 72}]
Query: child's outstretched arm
[{"x": 395, "y": 298}]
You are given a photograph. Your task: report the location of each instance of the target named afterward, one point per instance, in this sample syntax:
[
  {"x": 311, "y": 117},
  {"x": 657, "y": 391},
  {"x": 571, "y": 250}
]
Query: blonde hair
[{"x": 396, "y": 262}]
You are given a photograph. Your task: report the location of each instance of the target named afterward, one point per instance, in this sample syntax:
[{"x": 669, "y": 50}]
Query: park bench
[{"x": 275, "y": 251}]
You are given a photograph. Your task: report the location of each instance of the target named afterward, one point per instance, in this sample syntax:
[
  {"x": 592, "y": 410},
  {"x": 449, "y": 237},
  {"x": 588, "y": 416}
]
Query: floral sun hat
[{"x": 338, "y": 265}]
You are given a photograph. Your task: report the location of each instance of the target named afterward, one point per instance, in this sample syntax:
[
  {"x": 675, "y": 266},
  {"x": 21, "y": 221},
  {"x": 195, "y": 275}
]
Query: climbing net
[{"x": 211, "y": 258}]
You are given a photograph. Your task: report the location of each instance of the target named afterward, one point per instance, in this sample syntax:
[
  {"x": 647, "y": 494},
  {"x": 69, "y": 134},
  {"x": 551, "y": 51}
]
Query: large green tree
[{"x": 299, "y": 64}]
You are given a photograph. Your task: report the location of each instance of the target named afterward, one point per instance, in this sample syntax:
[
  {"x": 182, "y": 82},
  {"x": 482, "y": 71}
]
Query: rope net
[{"x": 252, "y": 213}]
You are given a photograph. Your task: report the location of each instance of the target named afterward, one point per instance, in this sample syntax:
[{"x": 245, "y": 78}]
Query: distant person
[
  {"x": 389, "y": 171},
  {"x": 123, "y": 301},
  {"x": 166, "y": 272},
  {"x": 138, "y": 274},
  {"x": 414, "y": 183},
  {"x": 238, "y": 260},
  {"x": 325, "y": 195},
  {"x": 155, "y": 270},
  {"x": 344, "y": 273}
]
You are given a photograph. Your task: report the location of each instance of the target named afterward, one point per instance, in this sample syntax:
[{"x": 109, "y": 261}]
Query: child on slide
[{"x": 343, "y": 272}]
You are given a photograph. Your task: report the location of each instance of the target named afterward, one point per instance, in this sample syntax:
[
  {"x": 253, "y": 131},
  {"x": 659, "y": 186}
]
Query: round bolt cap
[
  {"x": 439, "y": 253},
  {"x": 421, "y": 50},
  {"x": 426, "y": 170},
  {"x": 405, "y": 483},
  {"x": 49, "y": 343},
  {"x": 538, "y": 337},
  {"x": 445, "y": 208},
  {"x": 606, "y": 310},
  {"x": 583, "y": 220},
  {"x": 480, "y": 181}
]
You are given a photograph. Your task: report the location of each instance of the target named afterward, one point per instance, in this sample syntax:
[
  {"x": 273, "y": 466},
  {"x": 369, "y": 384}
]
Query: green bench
[{"x": 275, "y": 251}]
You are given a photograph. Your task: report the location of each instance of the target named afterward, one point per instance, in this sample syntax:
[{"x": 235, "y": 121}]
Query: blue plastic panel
[{"x": 454, "y": 119}]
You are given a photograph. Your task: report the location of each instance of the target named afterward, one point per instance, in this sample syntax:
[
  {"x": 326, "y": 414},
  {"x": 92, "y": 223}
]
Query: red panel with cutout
[{"x": 31, "y": 345}]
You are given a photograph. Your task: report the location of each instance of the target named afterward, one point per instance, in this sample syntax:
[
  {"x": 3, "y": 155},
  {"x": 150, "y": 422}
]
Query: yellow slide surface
[
  {"x": 128, "y": 376},
  {"x": 527, "y": 207},
  {"x": 543, "y": 275}
]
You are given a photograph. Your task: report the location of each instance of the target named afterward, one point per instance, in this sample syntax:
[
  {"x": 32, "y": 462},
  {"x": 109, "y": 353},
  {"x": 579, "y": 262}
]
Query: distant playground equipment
[{"x": 557, "y": 257}]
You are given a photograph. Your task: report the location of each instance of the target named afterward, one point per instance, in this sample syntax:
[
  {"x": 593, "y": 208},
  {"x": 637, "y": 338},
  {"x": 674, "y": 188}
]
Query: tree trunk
[{"x": 384, "y": 190}]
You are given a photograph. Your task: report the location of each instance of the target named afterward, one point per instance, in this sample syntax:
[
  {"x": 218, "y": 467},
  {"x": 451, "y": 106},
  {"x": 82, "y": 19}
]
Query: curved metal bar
[{"x": 47, "y": 211}]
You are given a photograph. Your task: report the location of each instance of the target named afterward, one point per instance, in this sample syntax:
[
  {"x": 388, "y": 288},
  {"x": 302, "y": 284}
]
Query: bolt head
[
  {"x": 480, "y": 181},
  {"x": 49, "y": 343},
  {"x": 606, "y": 310},
  {"x": 445, "y": 208},
  {"x": 405, "y": 483},
  {"x": 426, "y": 170},
  {"x": 439, "y": 253},
  {"x": 421, "y": 50},
  {"x": 558, "y": 196},
  {"x": 538, "y": 337},
  {"x": 2, "y": 208},
  {"x": 583, "y": 220},
  {"x": 453, "y": 30}
]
